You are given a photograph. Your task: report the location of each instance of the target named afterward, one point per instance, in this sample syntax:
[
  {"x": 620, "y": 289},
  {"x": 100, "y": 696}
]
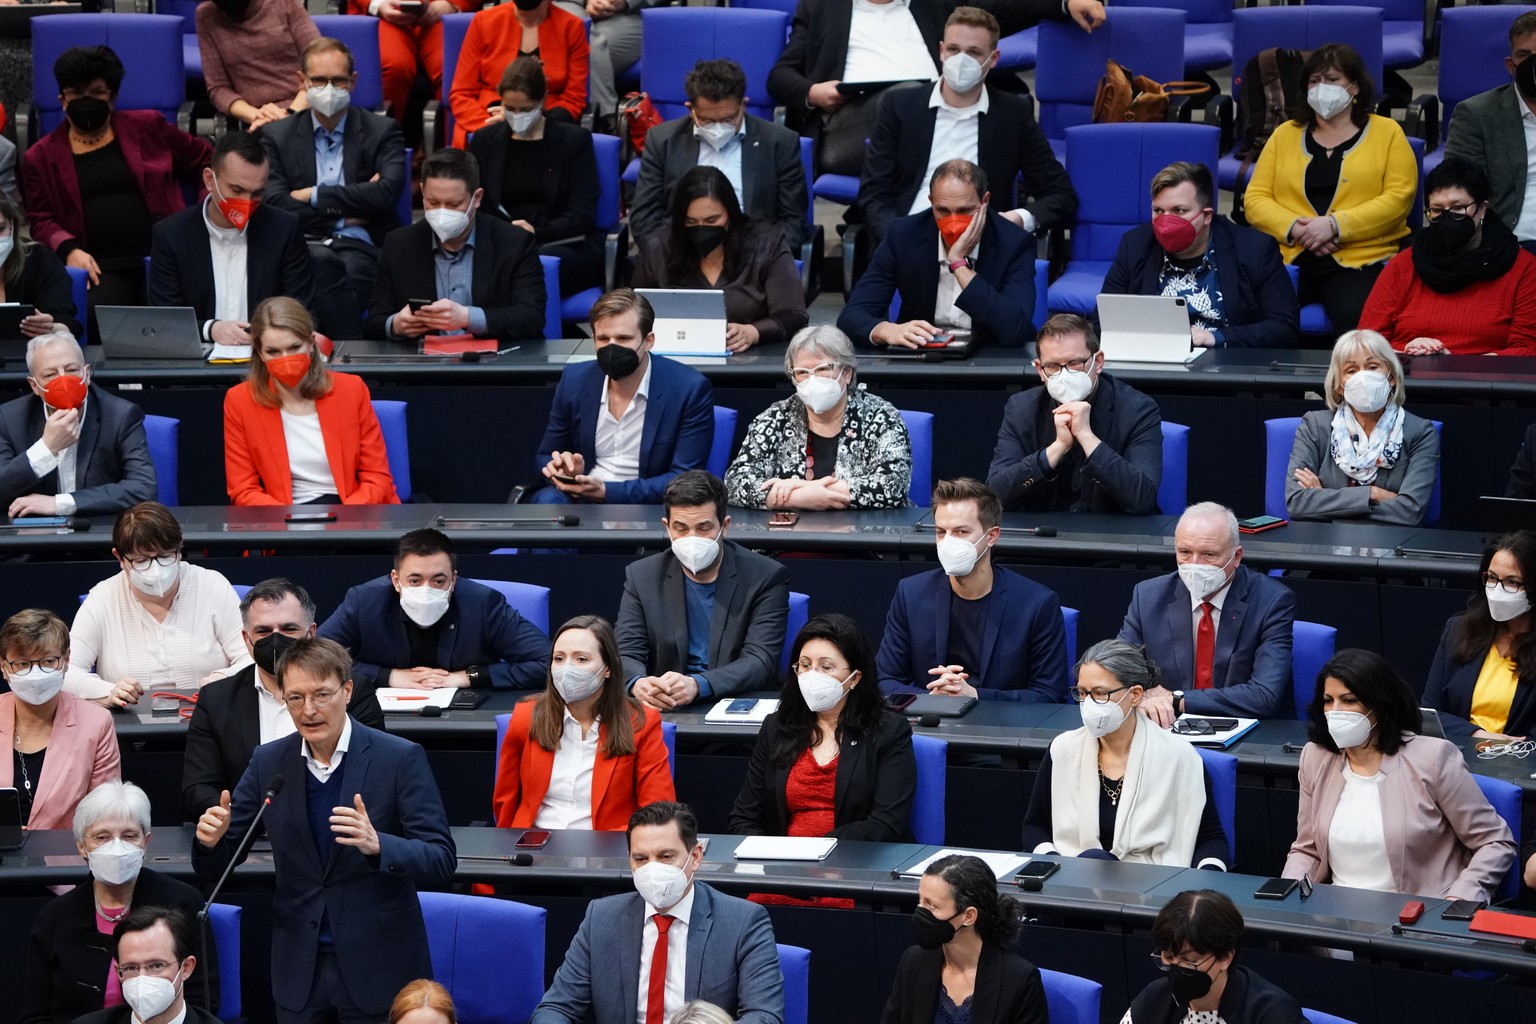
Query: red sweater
[{"x": 1489, "y": 317}]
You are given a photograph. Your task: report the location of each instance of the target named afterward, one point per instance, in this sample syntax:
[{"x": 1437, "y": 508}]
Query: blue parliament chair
[
  {"x": 927, "y": 819},
  {"x": 149, "y": 45},
  {"x": 1173, "y": 490},
  {"x": 725, "y": 434},
  {"x": 1222, "y": 769},
  {"x": 610, "y": 221},
  {"x": 1019, "y": 51},
  {"x": 240, "y": 589},
  {"x": 795, "y": 966},
  {"x": 529, "y": 600},
  {"x": 1478, "y": 36},
  {"x": 160, "y": 432},
  {"x": 1312, "y": 645},
  {"x": 1319, "y": 1017},
  {"x": 1207, "y": 30},
  {"x": 403, "y": 204},
  {"x": 673, "y": 39},
  {"x": 1069, "y": 618},
  {"x": 467, "y": 937},
  {"x": 1111, "y": 166},
  {"x": 224, "y": 929},
  {"x": 785, "y": 7},
  {"x": 1403, "y": 34},
  {"x": 191, "y": 53},
  {"x": 361, "y": 36},
  {"x": 1070, "y": 999},
  {"x": 799, "y": 615},
  {"x": 438, "y": 112},
  {"x": 79, "y": 283},
  {"x": 1505, "y": 797},
  {"x": 1280, "y": 438},
  {"x": 669, "y": 737},
  {"x": 397, "y": 443},
  {"x": 551, "y": 267},
  {"x": 920, "y": 434}
]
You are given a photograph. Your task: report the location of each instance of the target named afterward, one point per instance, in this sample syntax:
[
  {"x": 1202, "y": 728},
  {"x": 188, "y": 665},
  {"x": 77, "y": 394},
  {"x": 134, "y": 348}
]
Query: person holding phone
[
  {"x": 32, "y": 275},
  {"x": 1383, "y": 807},
  {"x": 583, "y": 754}
]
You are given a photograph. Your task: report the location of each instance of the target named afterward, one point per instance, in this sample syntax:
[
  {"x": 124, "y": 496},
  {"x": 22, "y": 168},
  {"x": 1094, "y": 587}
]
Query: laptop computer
[
  {"x": 150, "y": 332},
  {"x": 689, "y": 321},
  {"x": 12, "y": 835},
  {"x": 1145, "y": 329}
]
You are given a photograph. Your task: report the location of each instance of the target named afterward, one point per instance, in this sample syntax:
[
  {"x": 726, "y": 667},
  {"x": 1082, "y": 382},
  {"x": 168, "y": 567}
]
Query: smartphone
[
  {"x": 897, "y": 701},
  {"x": 468, "y": 700},
  {"x": 416, "y": 304},
  {"x": 1462, "y": 910},
  {"x": 741, "y": 706},
  {"x": 1041, "y": 869},
  {"x": 533, "y": 839},
  {"x": 782, "y": 519},
  {"x": 563, "y": 478},
  {"x": 940, "y": 340},
  {"x": 412, "y": 6},
  {"x": 310, "y": 517},
  {"x": 1258, "y": 524},
  {"x": 1222, "y": 724},
  {"x": 1276, "y": 889},
  {"x": 12, "y": 835},
  {"x": 40, "y": 521}
]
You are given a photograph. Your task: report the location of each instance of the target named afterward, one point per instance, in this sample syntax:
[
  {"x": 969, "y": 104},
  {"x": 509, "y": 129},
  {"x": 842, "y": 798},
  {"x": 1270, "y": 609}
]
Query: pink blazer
[
  {"x": 1443, "y": 836},
  {"x": 82, "y": 754}
]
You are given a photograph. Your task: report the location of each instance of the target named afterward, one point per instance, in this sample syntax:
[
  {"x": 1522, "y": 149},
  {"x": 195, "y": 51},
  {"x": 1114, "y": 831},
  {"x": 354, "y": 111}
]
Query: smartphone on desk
[
  {"x": 1041, "y": 869},
  {"x": 533, "y": 839},
  {"x": 1462, "y": 910},
  {"x": 897, "y": 701},
  {"x": 1276, "y": 889},
  {"x": 782, "y": 519},
  {"x": 310, "y": 517},
  {"x": 1258, "y": 524},
  {"x": 741, "y": 706}
]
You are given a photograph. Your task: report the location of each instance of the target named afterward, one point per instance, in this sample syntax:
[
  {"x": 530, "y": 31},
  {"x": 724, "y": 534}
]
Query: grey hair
[
  {"x": 1374, "y": 346},
  {"x": 701, "y": 1012},
  {"x": 115, "y": 799},
  {"x": 823, "y": 338},
  {"x": 1214, "y": 510},
  {"x": 1127, "y": 662},
  {"x": 58, "y": 334}
]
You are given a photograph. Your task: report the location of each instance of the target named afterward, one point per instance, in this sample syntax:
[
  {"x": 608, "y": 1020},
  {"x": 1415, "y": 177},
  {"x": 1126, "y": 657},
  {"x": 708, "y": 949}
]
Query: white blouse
[
  {"x": 1357, "y": 840},
  {"x": 307, "y": 464},
  {"x": 568, "y": 800},
  {"x": 114, "y": 637}
]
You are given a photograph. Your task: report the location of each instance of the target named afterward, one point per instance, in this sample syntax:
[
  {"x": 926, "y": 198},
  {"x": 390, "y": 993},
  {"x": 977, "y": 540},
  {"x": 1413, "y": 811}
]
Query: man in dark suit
[
  {"x": 970, "y": 628},
  {"x": 340, "y": 170},
  {"x": 706, "y": 617},
  {"x": 1222, "y": 632},
  {"x": 1085, "y": 442},
  {"x": 593, "y": 449},
  {"x": 358, "y": 825},
  {"x": 761, "y": 159},
  {"x": 75, "y": 449},
  {"x": 1238, "y": 292},
  {"x": 228, "y": 253},
  {"x": 482, "y": 273},
  {"x": 154, "y": 942},
  {"x": 422, "y": 627},
  {"x": 1489, "y": 130},
  {"x": 961, "y": 117},
  {"x": 958, "y": 267},
  {"x": 236, "y": 714},
  {"x": 676, "y": 937}
]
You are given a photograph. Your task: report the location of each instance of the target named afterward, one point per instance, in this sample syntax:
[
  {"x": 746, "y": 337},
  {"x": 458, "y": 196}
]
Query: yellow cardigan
[{"x": 1377, "y": 183}]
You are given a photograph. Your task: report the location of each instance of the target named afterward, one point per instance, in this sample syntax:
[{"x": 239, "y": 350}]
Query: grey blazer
[
  {"x": 112, "y": 465},
  {"x": 1486, "y": 129},
  {"x": 746, "y": 631},
  {"x": 1413, "y": 478}
]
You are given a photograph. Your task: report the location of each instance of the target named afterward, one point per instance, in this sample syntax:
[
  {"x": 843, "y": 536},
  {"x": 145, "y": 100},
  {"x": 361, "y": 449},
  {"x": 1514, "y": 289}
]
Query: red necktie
[
  {"x": 656, "y": 995},
  {"x": 1205, "y": 648}
]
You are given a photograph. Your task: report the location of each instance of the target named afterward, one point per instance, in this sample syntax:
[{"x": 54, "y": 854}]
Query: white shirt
[
  {"x": 955, "y": 137},
  {"x": 677, "y": 956},
  {"x": 114, "y": 633},
  {"x": 307, "y": 464},
  {"x": 44, "y": 462},
  {"x": 272, "y": 713},
  {"x": 1525, "y": 227},
  {"x": 616, "y": 442},
  {"x": 323, "y": 772},
  {"x": 728, "y": 160},
  {"x": 568, "y": 800},
  {"x": 1216, "y": 600},
  {"x": 884, "y": 44},
  {"x": 227, "y": 246},
  {"x": 1357, "y": 841},
  {"x": 945, "y": 312}
]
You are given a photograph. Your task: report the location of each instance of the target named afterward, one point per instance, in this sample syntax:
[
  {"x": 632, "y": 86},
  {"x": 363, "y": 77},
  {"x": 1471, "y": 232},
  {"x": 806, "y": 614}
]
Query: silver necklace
[
  {"x": 109, "y": 918},
  {"x": 21, "y": 759}
]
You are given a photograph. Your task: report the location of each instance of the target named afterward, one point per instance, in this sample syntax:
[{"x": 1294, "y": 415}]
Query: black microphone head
[
  {"x": 275, "y": 786},
  {"x": 568, "y": 520},
  {"x": 431, "y": 711},
  {"x": 522, "y": 860},
  {"x": 1045, "y": 531},
  {"x": 79, "y": 524},
  {"x": 930, "y": 721},
  {"x": 1528, "y": 946}
]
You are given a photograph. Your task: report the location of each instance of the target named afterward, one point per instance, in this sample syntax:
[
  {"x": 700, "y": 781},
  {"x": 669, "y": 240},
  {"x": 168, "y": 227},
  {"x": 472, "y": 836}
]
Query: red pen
[{"x": 413, "y": 698}]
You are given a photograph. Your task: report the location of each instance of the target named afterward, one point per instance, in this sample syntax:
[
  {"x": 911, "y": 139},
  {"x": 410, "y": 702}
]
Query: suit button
[
  {"x": 314, "y": 924},
  {"x": 396, "y": 869}
]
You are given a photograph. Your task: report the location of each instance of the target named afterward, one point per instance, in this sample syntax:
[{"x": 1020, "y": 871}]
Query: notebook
[
  {"x": 1145, "y": 329},
  {"x": 689, "y": 321},
  {"x": 1216, "y": 739},
  {"x": 1003, "y": 865},
  {"x": 785, "y": 848},
  {"x": 759, "y": 709}
]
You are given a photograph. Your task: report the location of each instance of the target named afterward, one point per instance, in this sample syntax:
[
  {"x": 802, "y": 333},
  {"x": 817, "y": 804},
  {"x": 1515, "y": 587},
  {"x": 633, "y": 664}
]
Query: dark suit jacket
[
  {"x": 1252, "y": 669},
  {"x": 999, "y": 300},
  {"x": 276, "y": 261},
  {"x": 123, "y": 1015},
  {"x": 1256, "y": 292},
  {"x": 112, "y": 465},
  {"x": 46, "y": 285},
  {"x": 1025, "y": 653},
  {"x": 1122, "y": 475},
  {"x": 1450, "y": 683},
  {"x": 370, "y": 903},
  {"x": 68, "y": 959},
  {"x": 569, "y": 177},
  {"x": 225, "y": 731},
  {"x": 1009, "y": 143},
  {"x": 678, "y": 432},
  {"x": 1487, "y": 130},
  {"x": 732, "y": 962},
  {"x": 1247, "y": 997},
  {"x": 772, "y": 177},
  {"x": 1522, "y": 475},
  {"x": 1008, "y": 988},
  {"x": 370, "y": 144},
  {"x": 746, "y": 631},
  {"x": 872, "y": 798},
  {"x": 508, "y": 281},
  {"x": 479, "y": 628}
]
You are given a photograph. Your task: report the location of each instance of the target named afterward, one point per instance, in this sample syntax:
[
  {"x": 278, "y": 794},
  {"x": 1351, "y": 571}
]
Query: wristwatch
[
  {"x": 477, "y": 677},
  {"x": 1178, "y": 702},
  {"x": 955, "y": 265}
]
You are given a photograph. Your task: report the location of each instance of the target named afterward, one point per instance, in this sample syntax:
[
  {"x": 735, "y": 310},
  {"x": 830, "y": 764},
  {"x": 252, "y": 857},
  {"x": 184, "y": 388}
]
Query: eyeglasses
[
  {"x": 1075, "y": 365},
  {"x": 1165, "y": 965},
  {"x": 1097, "y": 696},
  {"x": 74, "y": 94},
  {"x": 1433, "y": 213},
  {"x": 800, "y": 373},
  {"x": 1194, "y": 727},
  {"x": 1508, "y": 584},
  {"x": 319, "y": 700},
  {"x": 163, "y": 560},
  {"x": 340, "y": 82},
  {"x": 21, "y": 665},
  {"x": 156, "y": 968}
]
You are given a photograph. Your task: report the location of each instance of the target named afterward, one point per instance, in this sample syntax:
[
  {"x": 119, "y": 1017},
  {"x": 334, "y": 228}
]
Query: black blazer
[
  {"x": 876, "y": 782},
  {"x": 772, "y": 176},
  {"x": 1522, "y": 476},
  {"x": 225, "y": 730},
  {"x": 370, "y": 144},
  {"x": 1008, "y": 988},
  {"x": 1009, "y": 142},
  {"x": 45, "y": 284},
  {"x": 112, "y": 465},
  {"x": 570, "y": 177},
  {"x": 181, "y": 261},
  {"x": 1449, "y": 685},
  {"x": 1248, "y": 999},
  {"x": 68, "y": 959},
  {"x": 1256, "y": 291},
  {"x": 508, "y": 282}
]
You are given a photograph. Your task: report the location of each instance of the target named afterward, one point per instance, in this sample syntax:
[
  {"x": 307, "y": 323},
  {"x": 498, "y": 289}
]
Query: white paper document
[
  {"x": 1003, "y": 865},
  {"x": 396, "y": 698},
  {"x": 785, "y": 848}
]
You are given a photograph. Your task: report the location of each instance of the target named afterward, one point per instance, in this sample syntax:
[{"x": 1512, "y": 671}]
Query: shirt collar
[
  {"x": 643, "y": 391},
  {"x": 683, "y": 909},
  {"x": 341, "y": 745},
  {"x": 944, "y": 250},
  {"x": 1217, "y": 599},
  {"x": 180, "y": 1016},
  {"x": 469, "y": 243},
  {"x": 229, "y": 236},
  {"x": 341, "y": 126},
  {"x": 981, "y": 106},
  {"x": 264, "y": 692}
]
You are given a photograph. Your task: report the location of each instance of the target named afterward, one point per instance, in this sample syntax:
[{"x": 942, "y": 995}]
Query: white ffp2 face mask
[
  {"x": 1328, "y": 99},
  {"x": 661, "y": 885},
  {"x": 820, "y": 691},
  {"x": 447, "y": 224},
  {"x": 1368, "y": 391},
  {"x": 820, "y": 393},
  {"x": 576, "y": 683},
  {"x": 116, "y": 863},
  {"x": 328, "y": 101},
  {"x": 424, "y": 605},
  {"x": 1102, "y": 719},
  {"x": 1069, "y": 385},
  {"x": 696, "y": 553},
  {"x": 150, "y": 997},
  {"x": 1501, "y": 606},
  {"x": 962, "y": 72},
  {"x": 1347, "y": 728},
  {"x": 523, "y": 120},
  {"x": 958, "y": 556},
  {"x": 37, "y": 685},
  {"x": 155, "y": 580}
]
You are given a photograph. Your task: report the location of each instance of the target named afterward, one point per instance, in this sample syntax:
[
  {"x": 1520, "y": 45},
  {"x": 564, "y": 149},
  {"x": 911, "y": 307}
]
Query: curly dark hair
[
  {"x": 79, "y": 66},
  {"x": 972, "y": 884}
]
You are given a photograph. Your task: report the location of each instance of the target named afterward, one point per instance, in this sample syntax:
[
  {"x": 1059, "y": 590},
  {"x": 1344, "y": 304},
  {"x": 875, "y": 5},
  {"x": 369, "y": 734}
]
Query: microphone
[
  {"x": 79, "y": 524},
  {"x": 565, "y": 519},
  {"x": 1031, "y": 531},
  {"x": 930, "y": 721},
  {"x": 522, "y": 860},
  {"x": 241, "y": 848}
]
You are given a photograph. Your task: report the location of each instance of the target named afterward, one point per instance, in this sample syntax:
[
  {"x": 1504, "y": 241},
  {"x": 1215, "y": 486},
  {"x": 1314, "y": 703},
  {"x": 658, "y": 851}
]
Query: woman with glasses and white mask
[
  {"x": 70, "y": 970},
  {"x": 830, "y": 446},
  {"x": 1120, "y": 787},
  {"x": 834, "y": 760},
  {"x": 584, "y": 753},
  {"x": 1197, "y": 935},
  {"x": 161, "y": 622},
  {"x": 1485, "y": 669},
  {"x": 1365, "y": 456}
]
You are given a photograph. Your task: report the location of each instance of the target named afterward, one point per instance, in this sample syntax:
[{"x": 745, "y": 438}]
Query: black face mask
[
  {"x": 617, "y": 361},
  {"x": 1188, "y": 984},
  {"x": 88, "y": 113},
  {"x": 1452, "y": 231},
  {"x": 234, "y": 10},
  {"x": 270, "y": 649},
  {"x": 1525, "y": 78},
  {"x": 704, "y": 240},
  {"x": 929, "y": 931}
]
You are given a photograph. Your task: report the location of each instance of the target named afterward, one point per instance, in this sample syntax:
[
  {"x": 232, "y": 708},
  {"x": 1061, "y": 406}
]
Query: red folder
[
  {"x": 1498, "y": 922},
  {"x": 454, "y": 344}
]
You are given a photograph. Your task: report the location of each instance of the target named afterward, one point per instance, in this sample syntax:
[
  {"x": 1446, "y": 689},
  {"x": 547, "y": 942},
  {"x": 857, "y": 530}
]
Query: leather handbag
[{"x": 1127, "y": 98}]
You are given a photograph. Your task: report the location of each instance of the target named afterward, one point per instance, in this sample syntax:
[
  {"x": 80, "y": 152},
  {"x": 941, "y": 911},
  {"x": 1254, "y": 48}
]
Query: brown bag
[{"x": 1125, "y": 98}]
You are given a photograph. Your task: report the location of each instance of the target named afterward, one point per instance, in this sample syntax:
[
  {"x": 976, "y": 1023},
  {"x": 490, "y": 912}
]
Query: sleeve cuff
[
  {"x": 1030, "y": 224},
  {"x": 64, "y": 504},
  {"x": 1217, "y": 341},
  {"x": 1044, "y": 466},
  {"x": 476, "y": 321},
  {"x": 41, "y": 459},
  {"x": 1045, "y": 848},
  {"x": 705, "y": 690},
  {"x": 1212, "y": 863},
  {"x": 374, "y": 5},
  {"x": 314, "y": 197}
]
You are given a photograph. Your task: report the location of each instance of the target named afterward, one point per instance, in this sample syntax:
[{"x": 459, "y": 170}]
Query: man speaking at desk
[{"x": 356, "y": 825}]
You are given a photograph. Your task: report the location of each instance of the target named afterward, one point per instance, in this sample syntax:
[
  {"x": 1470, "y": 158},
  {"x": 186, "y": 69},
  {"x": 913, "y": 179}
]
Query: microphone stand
[{"x": 241, "y": 849}]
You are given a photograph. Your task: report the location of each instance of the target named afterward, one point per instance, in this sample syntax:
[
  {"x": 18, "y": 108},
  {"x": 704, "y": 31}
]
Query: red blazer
[
  {"x": 256, "y": 455},
  {"x": 620, "y": 786},
  {"x": 491, "y": 44},
  {"x": 160, "y": 155},
  {"x": 82, "y": 754}
]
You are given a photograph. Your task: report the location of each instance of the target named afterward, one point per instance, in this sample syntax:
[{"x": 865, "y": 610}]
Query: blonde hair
[
  {"x": 976, "y": 17},
  {"x": 1374, "y": 346},
  {"x": 281, "y": 313}
]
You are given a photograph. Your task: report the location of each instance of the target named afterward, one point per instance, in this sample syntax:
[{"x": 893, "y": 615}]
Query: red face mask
[
  {"x": 65, "y": 392},
  {"x": 1174, "y": 233},
  {"x": 952, "y": 227},
  {"x": 236, "y": 211},
  {"x": 289, "y": 370}
]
